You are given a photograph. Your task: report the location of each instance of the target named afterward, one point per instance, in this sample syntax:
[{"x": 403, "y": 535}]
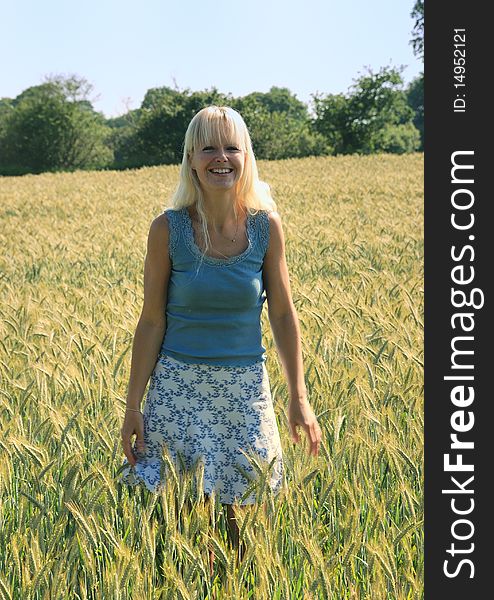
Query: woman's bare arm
[
  {"x": 152, "y": 322},
  {"x": 149, "y": 332},
  {"x": 286, "y": 333},
  {"x": 281, "y": 310}
]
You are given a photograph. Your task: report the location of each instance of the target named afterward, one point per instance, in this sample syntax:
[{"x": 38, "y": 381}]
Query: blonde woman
[{"x": 212, "y": 260}]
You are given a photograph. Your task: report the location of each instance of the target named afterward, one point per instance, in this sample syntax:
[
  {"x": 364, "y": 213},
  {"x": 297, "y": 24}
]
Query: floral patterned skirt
[{"x": 222, "y": 416}]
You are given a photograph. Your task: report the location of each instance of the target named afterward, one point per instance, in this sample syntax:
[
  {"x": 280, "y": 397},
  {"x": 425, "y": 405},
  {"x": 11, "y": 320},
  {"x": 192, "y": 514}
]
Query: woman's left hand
[{"x": 300, "y": 413}]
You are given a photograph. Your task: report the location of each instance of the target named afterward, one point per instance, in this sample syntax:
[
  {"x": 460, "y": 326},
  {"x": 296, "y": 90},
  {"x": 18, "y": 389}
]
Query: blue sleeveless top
[{"x": 213, "y": 311}]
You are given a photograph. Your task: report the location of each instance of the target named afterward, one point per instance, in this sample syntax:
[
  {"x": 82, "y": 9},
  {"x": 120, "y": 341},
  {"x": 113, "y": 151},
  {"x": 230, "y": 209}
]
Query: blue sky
[{"x": 124, "y": 48}]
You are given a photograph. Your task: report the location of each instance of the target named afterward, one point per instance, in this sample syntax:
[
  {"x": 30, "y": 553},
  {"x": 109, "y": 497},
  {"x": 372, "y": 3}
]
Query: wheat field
[{"x": 350, "y": 523}]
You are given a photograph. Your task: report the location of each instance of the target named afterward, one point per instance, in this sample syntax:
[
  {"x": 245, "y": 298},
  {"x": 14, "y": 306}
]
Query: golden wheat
[{"x": 349, "y": 524}]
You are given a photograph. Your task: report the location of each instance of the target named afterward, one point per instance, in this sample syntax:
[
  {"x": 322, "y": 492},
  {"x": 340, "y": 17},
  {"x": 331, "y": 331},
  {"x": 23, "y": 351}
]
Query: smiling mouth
[{"x": 221, "y": 171}]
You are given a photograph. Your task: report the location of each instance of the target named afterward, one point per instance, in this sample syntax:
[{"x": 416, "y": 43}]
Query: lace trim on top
[
  {"x": 188, "y": 232},
  {"x": 171, "y": 215},
  {"x": 264, "y": 231},
  {"x": 182, "y": 223}
]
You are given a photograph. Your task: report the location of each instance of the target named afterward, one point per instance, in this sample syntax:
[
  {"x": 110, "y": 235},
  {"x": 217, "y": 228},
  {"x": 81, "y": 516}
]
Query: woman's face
[{"x": 218, "y": 165}]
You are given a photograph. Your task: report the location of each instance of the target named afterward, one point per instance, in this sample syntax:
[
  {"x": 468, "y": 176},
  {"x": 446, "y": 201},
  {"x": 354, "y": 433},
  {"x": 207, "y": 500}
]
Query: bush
[{"x": 398, "y": 139}]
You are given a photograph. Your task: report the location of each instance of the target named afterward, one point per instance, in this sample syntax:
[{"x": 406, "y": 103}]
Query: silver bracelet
[{"x": 133, "y": 409}]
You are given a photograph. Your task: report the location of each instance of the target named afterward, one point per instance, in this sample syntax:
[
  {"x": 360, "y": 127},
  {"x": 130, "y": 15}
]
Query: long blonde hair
[{"x": 212, "y": 125}]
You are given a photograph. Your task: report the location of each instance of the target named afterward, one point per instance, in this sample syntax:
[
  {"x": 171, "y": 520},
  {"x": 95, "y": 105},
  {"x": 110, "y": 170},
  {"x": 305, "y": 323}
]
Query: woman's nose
[{"x": 221, "y": 154}]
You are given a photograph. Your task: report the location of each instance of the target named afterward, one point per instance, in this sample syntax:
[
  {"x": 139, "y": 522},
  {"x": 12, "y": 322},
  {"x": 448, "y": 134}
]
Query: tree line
[{"x": 54, "y": 127}]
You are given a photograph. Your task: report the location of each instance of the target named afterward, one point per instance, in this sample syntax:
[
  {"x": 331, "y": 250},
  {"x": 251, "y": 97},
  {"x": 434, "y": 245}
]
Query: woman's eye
[{"x": 231, "y": 148}]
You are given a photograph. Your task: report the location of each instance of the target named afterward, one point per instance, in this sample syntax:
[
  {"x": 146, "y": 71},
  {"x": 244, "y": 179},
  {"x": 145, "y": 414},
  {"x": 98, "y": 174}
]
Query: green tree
[
  {"x": 354, "y": 123},
  {"x": 157, "y": 133},
  {"x": 333, "y": 120},
  {"x": 415, "y": 98},
  {"x": 278, "y": 100},
  {"x": 6, "y": 109},
  {"x": 54, "y": 127},
  {"x": 415, "y": 92},
  {"x": 398, "y": 139},
  {"x": 417, "y": 40},
  {"x": 278, "y": 122},
  {"x": 279, "y": 125},
  {"x": 122, "y": 139}
]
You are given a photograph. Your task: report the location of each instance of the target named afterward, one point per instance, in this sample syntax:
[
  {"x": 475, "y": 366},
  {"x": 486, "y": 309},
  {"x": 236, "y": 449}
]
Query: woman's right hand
[{"x": 133, "y": 424}]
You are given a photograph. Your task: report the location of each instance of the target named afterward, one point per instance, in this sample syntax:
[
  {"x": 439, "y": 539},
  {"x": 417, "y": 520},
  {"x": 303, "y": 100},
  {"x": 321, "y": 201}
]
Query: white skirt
[{"x": 219, "y": 415}]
